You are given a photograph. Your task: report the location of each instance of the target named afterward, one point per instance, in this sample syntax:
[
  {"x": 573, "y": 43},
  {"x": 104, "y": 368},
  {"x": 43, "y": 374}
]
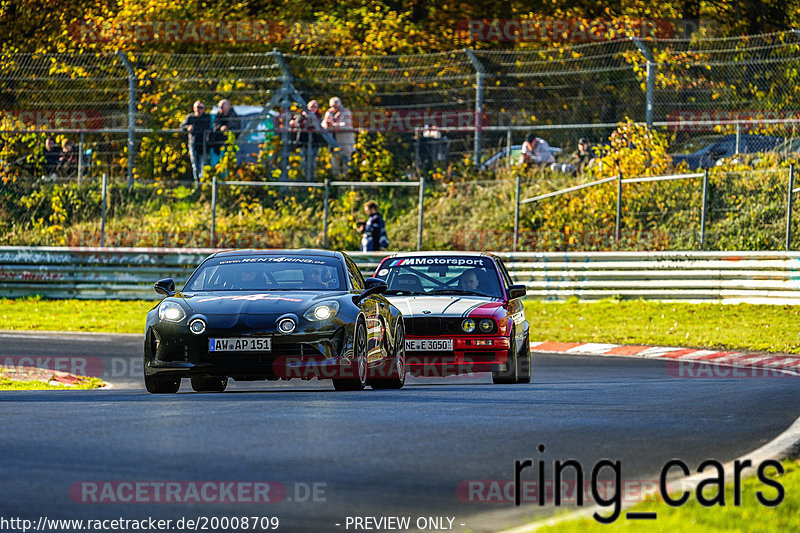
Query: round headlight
[
  {"x": 286, "y": 325},
  {"x": 197, "y": 326},
  {"x": 468, "y": 325},
  {"x": 322, "y": 311},
  {"x": 171, "y": 312},
  {"x": 486, "y": 325}
]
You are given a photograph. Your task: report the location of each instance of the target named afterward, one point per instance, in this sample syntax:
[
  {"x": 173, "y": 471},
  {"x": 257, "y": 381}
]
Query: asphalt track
[{"x": 372, "y": 453}]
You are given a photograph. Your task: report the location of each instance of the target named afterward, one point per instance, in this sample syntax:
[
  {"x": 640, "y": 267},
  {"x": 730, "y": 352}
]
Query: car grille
[{"x": 419, "y": 326}]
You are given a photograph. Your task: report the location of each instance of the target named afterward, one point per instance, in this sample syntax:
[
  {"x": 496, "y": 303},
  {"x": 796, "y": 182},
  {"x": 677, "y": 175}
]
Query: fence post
[
  {"x": 213, "y": 211},
  {"x": 325, "y": 213},
  {"x": 508, "y": 149},
  {"x": 516, "y": 215},
  {"x": 478, "y": 105},
  {"x": 738, "y": 137},
  {"x": 103, "y": 211},
  {"x": 80, "y": 158},
  {"x": 651, "y": 81},
  {"x": 286, "y": 81},
  {"x": 789, "y": 203},
  {"x": 618, "y": 232},
  {"x": 131, "y": 115},
  {"x": 703, "y": 210},
  {"x": 421, "y": 211}
]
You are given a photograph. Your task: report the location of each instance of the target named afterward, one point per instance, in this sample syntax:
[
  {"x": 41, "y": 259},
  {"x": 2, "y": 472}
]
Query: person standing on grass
[
  {"x": 198, "y": 125},
  {"x": 373, "y": 231}
]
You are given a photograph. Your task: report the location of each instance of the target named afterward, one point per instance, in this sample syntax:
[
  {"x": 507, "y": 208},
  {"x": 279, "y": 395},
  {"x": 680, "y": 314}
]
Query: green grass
[
  {"x": 772, "y": 328},
  {"x": 14, "y": 384},
  {"x": 750, "y": 516},
  {"x": 111, "y": 316}
]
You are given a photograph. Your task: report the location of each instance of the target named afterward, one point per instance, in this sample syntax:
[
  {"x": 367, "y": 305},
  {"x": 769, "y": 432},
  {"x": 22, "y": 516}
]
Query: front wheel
[
  {"x": 396, "y": 375},
  {"x": 524, "y": 362},
  {"x": 209, "y": 383},
  {"x": 359, "y": 365},
  {"x": 510, "y": 374}
]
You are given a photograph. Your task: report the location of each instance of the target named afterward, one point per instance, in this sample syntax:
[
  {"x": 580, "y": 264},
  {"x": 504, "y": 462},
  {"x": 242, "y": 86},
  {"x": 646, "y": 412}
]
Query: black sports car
[{"x": 279, "y": 314}]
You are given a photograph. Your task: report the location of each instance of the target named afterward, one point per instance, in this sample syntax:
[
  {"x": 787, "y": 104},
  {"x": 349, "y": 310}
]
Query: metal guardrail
[{"x": 730, "y": 277}]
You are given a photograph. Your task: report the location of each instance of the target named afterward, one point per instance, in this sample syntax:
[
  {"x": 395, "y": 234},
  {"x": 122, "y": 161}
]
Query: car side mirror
[
  {"x": 371, "y": 286},
  {"x": 165, "y": 286},
  {"x": 517, "y": 291}
]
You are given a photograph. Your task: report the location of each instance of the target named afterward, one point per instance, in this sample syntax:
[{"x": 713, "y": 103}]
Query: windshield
[
  {"x": 476, "y": 276},
  {"x": 268, "y": 273}
]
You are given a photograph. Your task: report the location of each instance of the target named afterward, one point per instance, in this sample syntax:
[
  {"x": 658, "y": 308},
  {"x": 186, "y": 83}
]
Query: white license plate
[
  {"x": 429, "y": 345},
  {"x": 240, "y": 344}
]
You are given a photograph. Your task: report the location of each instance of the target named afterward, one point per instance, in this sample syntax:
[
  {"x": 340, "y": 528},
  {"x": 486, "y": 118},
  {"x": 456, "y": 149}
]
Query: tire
[
  {"x": 509, "y": 375},
  {"x": 524, "y": 362},
  {"x": 359, "y": 365},
  {"x": 161, "y": 385},
  {"x": 397, "y": 366},
  {"x": 209, "y": 383}
]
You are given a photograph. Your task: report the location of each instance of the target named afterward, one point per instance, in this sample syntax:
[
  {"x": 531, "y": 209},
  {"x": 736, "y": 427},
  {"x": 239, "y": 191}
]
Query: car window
[
  {"x": 504, "y": 272},
  {"x": 355, "y": 275},
  {"x": 268, "y": 273},
  {"x": 441, "y": 275}
]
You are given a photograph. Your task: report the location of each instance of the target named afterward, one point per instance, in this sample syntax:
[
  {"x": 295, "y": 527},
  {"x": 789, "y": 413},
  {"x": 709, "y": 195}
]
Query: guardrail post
[
  {"x": 421, "y": 211},
  {"x": 325, "y": 213},
  {"x": 104, "y": 201},
  {"x": 214, "y": 211},
  {"x": 618, "y": 232},
  {"x": 703, "y": 210},
  {"x": 516, "y": 214},
  {"x": 131, "y": 115},
  {"x": 789, "y": 203}
]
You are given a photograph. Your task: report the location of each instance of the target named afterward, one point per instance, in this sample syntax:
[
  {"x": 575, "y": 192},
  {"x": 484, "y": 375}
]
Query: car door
[
  {"x": 516, "y": 309},
  {"x": 373, "y": 313}
]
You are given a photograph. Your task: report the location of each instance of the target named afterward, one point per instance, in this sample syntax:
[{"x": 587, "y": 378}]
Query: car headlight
[
  {"x": 468, "y": 325},
  {"x": 322, "y": 311},
  {"x": 486, "y": 325},
  {"x": 171, "y": 312}
]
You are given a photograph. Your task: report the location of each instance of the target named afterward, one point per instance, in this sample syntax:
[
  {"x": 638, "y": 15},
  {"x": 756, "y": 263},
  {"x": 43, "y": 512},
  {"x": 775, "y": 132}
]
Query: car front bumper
[{"x": 470, "y": 354}]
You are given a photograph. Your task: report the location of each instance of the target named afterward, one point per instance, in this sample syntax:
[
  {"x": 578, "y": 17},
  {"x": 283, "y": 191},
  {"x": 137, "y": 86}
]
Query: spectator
[
  {"x": 536, "y": 151},
  {"x": 339, "y": 121},
  {"x": 373, "y": 231},
  {"x": 226, "y": 120},
  {"x": 305, "y": 127},
  {"x": 68, "y": 159},
  {"x": 583, "y": 157},
  {"x": 198, "y": 124},
  {"x": 52, "y": 155}
]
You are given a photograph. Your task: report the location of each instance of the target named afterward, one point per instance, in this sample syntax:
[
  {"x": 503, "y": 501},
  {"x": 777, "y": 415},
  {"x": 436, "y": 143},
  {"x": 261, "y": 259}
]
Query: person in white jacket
[
  {"x": 536, "y": 151},
  {"x": 339, "y": 121}
]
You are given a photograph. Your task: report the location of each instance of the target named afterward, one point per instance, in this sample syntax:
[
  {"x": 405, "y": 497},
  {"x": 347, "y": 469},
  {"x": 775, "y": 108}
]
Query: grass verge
[
  {"x": 109, "y": 316},
  {"x": 750, "y": 516},
  {"x": 15, "y": 384},
  {"x": 771, "y": 328}
]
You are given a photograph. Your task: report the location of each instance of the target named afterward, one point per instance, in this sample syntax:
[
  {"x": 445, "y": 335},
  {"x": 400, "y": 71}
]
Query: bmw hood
[{"x": 443, "y": 306}]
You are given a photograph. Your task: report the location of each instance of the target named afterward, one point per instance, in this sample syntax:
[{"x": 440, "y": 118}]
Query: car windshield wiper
[
  {"x": 402, "y": 292},
  {"x": 456, "y": 291}
]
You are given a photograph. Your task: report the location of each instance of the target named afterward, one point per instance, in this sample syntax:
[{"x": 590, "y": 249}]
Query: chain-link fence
[{"x": 426, "y": 110}]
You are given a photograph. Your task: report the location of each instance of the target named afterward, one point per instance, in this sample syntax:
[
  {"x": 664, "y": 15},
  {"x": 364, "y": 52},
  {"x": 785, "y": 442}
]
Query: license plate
[
  {"x": 240, "y": 344},
  {"x": 429, "y": 345}
]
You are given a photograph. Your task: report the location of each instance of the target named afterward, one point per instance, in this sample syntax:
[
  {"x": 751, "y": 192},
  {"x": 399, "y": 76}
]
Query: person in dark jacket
[
  {"x": 198, "y": 124},
  {"x": 52, "y": 154},
  {"x": 373, "y": 231},
  {"x": 304, "y": 125},
  {"x": 226, "y": 120},
  {"x": 68, "y": 159}
]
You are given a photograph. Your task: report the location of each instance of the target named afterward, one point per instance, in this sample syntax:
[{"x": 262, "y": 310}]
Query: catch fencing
[
  {"x": 751, "y": 277},
  {"x": 124, "y": 109}
]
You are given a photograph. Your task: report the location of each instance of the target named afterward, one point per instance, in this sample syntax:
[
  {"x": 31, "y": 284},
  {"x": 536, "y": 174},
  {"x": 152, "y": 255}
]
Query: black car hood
[{"x": 234, "y": 303}]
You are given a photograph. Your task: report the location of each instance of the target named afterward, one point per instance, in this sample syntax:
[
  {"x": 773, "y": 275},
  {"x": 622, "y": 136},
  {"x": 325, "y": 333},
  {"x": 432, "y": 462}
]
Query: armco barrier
[{"x": 731, "y": 277}]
